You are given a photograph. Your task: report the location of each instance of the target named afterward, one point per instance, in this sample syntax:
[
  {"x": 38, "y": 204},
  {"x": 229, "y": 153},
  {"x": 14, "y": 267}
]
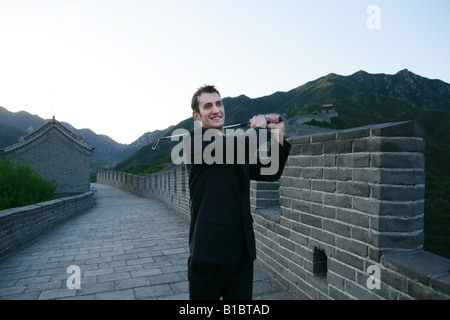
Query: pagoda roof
[{"x": 42, "y": 131}]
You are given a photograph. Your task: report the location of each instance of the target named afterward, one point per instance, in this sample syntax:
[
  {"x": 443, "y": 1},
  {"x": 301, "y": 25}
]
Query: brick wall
[
  {"x": 20, "y": 226},
  {"x": 345, "y": 221}
]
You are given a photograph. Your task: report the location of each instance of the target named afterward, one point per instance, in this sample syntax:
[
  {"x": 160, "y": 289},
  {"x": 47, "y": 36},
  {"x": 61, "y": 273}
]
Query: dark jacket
[{"x": 221, "y": 222}]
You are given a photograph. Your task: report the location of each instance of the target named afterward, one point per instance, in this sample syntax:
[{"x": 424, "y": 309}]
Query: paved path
[{"x": 126, "y": 247}]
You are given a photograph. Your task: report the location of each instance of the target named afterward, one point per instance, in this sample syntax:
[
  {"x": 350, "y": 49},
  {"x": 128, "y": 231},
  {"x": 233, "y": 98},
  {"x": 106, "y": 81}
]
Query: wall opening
[{"x": 319, "y": 262}]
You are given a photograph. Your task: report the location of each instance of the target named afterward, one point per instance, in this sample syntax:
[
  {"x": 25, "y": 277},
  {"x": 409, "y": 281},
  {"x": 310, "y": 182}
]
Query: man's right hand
[{"x": 258, "y": 121}]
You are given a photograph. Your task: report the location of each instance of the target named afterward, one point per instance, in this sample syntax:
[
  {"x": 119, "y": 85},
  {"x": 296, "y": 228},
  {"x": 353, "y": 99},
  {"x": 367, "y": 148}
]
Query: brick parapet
[{"x": 21, "y": 226}]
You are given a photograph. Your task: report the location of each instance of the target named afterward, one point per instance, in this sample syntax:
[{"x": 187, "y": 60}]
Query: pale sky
[{"x": 123, "y": 68}]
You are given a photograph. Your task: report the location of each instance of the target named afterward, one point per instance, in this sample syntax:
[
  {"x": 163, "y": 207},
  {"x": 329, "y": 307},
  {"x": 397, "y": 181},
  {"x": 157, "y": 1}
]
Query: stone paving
[{"x": 126, "y": 247}]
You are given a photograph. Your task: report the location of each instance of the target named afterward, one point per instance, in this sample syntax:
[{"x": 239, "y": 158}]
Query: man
[{"x": 221, "y": 237}]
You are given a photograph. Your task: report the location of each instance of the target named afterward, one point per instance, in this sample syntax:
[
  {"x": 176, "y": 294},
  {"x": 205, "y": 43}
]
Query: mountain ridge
[
  {"x": 14, "y": 125},
  {"x": 360, "y": 99}
]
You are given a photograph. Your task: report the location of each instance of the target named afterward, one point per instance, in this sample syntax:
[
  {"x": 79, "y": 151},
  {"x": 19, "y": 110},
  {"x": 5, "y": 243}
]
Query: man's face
[{"x": 212, "y": 112}]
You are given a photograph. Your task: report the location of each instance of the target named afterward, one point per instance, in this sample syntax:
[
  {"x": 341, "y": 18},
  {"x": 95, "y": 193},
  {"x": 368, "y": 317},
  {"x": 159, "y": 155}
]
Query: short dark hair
[{"x": 205, "y": 88}]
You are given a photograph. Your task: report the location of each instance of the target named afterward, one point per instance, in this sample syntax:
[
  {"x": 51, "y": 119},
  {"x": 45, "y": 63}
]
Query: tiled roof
[{"x": 52, "y": 124}]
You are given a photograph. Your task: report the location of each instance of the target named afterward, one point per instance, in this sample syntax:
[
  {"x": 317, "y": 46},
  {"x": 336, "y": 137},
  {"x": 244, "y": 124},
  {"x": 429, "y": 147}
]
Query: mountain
[
  {"x": 22, "y": 123},
  {"x": 364, "y": 98},
  {"x": 147, "y": 138},
  {"x": 9, "y": 134},
  {"x": 145, "y": 160},
  {"x": 360, "y": 99},
  {"x": 21, "y": 119}
]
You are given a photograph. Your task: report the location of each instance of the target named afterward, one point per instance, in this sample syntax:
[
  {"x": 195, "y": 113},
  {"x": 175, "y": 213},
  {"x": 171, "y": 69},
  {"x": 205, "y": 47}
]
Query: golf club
[{"x": 155, "y": 144}]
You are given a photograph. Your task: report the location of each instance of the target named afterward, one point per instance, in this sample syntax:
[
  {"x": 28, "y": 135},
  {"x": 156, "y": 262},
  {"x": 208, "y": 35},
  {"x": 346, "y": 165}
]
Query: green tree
[{"x": 20, "y": 185}]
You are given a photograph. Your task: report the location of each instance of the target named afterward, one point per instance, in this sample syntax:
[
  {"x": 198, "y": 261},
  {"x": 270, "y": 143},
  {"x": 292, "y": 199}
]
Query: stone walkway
[{"x": 126, "y": 248}]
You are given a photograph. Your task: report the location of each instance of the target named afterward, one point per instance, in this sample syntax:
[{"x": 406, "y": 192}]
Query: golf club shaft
[{"x": 280, "y": 119}]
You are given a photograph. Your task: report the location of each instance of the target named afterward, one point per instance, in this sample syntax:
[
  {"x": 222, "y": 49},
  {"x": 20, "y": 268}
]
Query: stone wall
[
  {"x": 345, "y": 221},
  {"x": 20, "y": 226}
]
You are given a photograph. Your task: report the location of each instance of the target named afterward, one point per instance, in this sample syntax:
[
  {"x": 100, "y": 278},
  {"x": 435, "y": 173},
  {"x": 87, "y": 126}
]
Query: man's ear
[{"x": 196, "y": 116}]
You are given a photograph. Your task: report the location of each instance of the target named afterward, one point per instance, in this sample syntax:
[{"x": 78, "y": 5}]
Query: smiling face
[{"x": 211, "y": 111}]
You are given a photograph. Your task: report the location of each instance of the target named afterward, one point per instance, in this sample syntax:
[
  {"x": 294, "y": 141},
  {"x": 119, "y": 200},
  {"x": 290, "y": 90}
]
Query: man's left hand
[{"x": 274, "y": 123}]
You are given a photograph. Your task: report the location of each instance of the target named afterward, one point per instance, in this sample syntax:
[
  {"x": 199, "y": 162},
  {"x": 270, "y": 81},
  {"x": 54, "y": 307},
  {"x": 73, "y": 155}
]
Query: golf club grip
[{"x": 280, "y": 119}]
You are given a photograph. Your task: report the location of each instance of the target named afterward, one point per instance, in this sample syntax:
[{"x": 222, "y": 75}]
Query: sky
[{"x": 124, "y": 68}]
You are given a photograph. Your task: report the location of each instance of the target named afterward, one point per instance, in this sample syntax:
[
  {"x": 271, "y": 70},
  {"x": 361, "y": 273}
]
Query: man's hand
[
  {"x": 274, "y": 123},
  {"x": 270, "y": 122},
  {"x": 258, "y": 121}
]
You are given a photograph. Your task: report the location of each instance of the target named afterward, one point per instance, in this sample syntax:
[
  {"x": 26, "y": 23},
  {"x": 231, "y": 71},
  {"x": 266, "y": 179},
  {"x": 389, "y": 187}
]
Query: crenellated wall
[{"x": 345, "y": 221}]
